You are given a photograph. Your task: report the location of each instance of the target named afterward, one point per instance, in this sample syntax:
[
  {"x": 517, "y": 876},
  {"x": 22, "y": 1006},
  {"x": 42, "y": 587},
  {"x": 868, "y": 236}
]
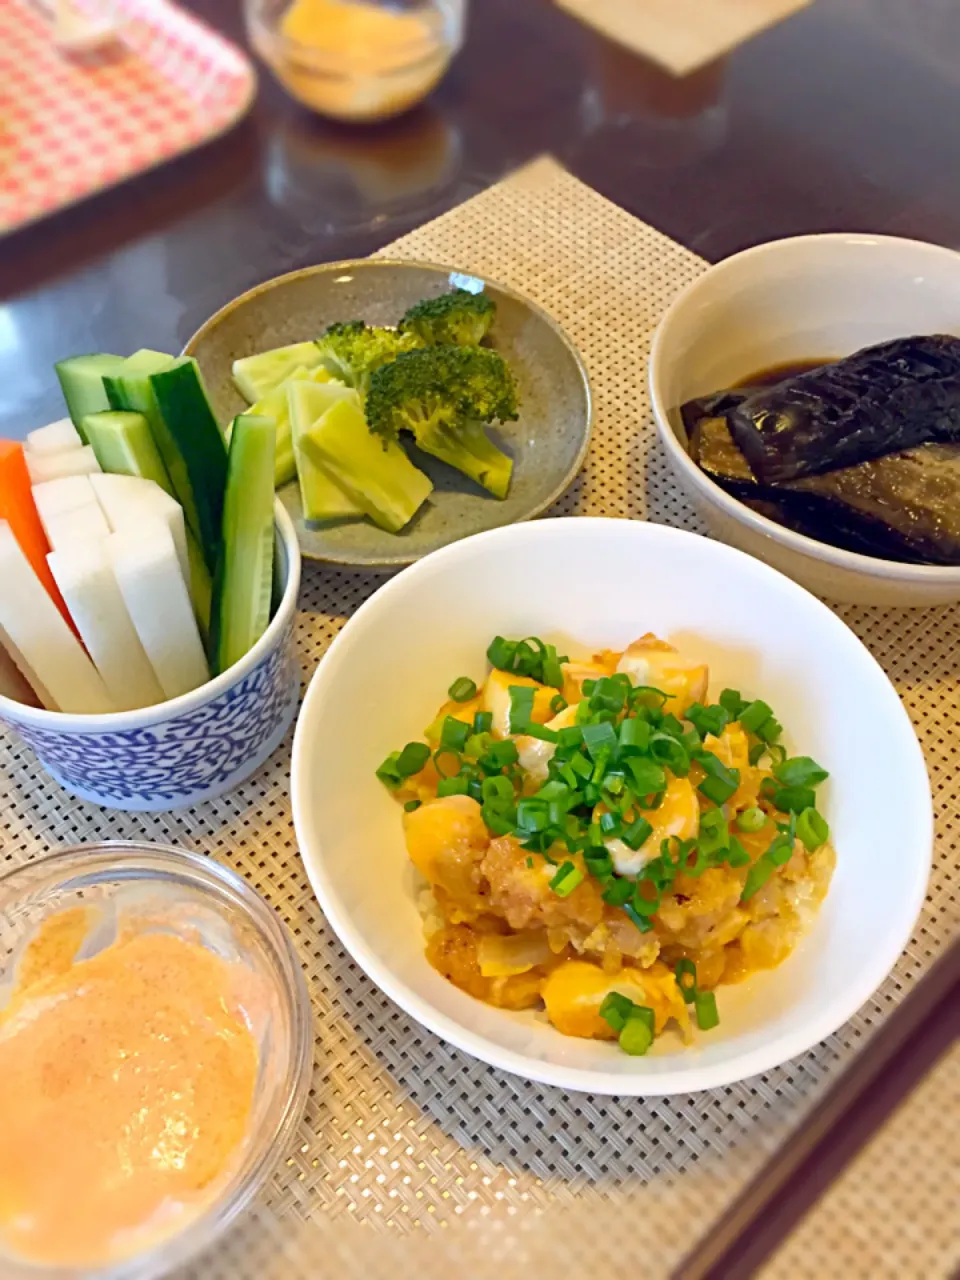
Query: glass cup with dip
[
  {"x": 357, "y": 60},
  {"x": 156, "y": 1047}
]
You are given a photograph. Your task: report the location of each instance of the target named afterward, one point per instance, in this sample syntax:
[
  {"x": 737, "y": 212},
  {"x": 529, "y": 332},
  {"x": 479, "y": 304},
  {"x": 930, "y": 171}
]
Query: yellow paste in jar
[
  {"x": 359, "y": 61},
  {"x": 126, "y": 1086}
]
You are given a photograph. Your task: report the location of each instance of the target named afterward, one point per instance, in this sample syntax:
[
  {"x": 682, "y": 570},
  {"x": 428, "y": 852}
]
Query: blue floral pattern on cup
[{"x": 187, "y": 758}]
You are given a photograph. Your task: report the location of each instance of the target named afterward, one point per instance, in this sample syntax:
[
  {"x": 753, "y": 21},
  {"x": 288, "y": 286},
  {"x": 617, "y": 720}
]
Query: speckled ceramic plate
[{"x": 548, "y": 442}]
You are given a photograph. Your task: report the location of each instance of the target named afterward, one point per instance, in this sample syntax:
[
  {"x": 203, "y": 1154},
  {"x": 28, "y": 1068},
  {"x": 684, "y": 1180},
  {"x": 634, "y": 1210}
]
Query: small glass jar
[{"x": 357, "y": 60}]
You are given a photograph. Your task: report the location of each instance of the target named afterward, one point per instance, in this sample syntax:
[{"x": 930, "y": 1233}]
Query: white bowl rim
[
  {"x": 871, "y": 566},
  {"x": 836, "y": 1010},
  {"x": 160, "y": 712}
]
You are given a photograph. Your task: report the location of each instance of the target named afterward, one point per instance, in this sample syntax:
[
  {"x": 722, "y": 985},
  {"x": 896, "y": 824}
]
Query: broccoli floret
[
  {"x": 351, "y": 351},
  {"x": 444, "y": 395},
  {"x": 458, "y": 319}
]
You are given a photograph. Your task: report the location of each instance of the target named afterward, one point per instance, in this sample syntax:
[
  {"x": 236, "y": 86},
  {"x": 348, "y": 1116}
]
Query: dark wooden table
[{"x": 843, "y": 117}]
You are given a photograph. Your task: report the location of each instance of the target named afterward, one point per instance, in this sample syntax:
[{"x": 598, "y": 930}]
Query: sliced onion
[{"x": 502, "y": 957}]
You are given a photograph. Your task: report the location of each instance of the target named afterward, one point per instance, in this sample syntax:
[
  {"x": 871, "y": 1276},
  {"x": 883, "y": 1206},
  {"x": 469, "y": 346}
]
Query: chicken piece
[
  {"x": 453, "y": 952},
  {"x": 535, "y": 755},
  {"x": 521, "y": 894},
  {"x": 703, "y": 912},
  {"x": 496, "y": 699},
  {"x": 678, "y": 816},
  {"x": 575, "y": 990},
  {"x": 446, "y": 840},
  {"x": 653, "y": 662}
]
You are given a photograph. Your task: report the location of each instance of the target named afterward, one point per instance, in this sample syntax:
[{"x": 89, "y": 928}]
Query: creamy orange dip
[{"x": 126, "y": 1086}]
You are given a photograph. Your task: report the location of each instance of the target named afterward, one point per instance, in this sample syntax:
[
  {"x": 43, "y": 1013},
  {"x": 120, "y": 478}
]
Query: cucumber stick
[
  {"x": 320, "y": 495},
  {"x": 377, "y": 475},
  {"x": 244, "y": 580},
  {"x": 170, "y": 395},
  {"x": 124, "y": 446},
  {"x": 81, "y": 381}
]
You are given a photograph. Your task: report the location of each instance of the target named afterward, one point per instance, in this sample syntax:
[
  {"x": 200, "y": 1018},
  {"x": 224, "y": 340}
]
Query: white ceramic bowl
[
  {"x": 798, "y": 299},
  {"x": 188, "y": 749},
  {"x": 602, "y": 583}
]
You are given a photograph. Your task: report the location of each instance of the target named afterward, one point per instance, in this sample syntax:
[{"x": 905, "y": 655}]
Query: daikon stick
[
  {"x": 127, "y": 499},
  {"x": 86, "y": 579},
  {"x": 71, "y": 462},
  {"x": 56, "y": 497},
  {"x": 148, "y": 573},
  {"x": 36, "y": 627},
  {"x": 56, "y": 438},
  {"x": 86, "y": 524}
]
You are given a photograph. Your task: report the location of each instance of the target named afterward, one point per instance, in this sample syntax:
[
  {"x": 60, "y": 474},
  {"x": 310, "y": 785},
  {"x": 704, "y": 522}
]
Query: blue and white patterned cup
[{"x": 191, "y": 748}]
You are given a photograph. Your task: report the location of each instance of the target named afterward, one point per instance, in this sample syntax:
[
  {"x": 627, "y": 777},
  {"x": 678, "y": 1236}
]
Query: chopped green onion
[
  {"x": 541, "y": 732},
  {"x": 800, "y": 771},
  {"x": 757, "y": 877},
  {"x": 411, "y": 805},
  {"x": 668, "y": 751},
  {"x": 713, "y": 719},
  {"x": 454, "y": 733},
  {"x": 551, "y": 671},
  {"x": 440, "y": 759},
  {"x": 521, "y": 707},
  {"x": 558, "y": 703},
  {"x": 599, "y": 863},
  {"x": 720, "y": 782},
  {"x": 501, "y": 652},
  {"x": 599, "y": 738},
  {"x": 619, "y": 893},
  {"x": 566, "y": 880},
  {"x": 736, "y": 855},
  {"x": 643, "y": 923},
  {"x": 483, "y": 722},
  {"x": 412, "y": 759},
  {"x": 453, "y": 787},
  {"x": 462, "y": 690},
  {"x": 533, "y": 814},
  {"x": 634, "y": 736},
  {"x": 614, "y": 783},
  {"x": 388, "y": 773},
  {"x": 610, "y": 693},
  {"x": 812, "y": 829},
  {"x": 637, "y": 833},
  {"x": 501, "y": 821},
  {"x": 642, "y": 905},
  {"x": 648, "y": 777},
  {"x": 716, "y": 790},
  {"x": 780, "y": 850},
  {"x": 499, "y": 755},
  {"x": 478, "y": 744},
  {"x": 754, "y": 715},
  {"x": 497, "y": 788},
  {"x": 714, "y": 833},
  {"x": 705, "y": 1005},
  {"x": 751, "y": 819},
  {"x": 686, "y": 975},
  {"x": 529, "y": 862},
  {"x": 794, "y": 799},
  {"x": 615, "y": 1010},
  {"x": 610, "y": 824},
  {"x": 636, "y": 1036},
  {"x": 569, "y": 739},
  {"x": 756, "y": 751},
  {"x": 731, "y": 701},
  {"x": 770, "y": 731}
]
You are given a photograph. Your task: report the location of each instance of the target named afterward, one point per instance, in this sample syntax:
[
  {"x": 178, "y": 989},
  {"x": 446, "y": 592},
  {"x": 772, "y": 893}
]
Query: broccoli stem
[{"x": 468, "y": 448}]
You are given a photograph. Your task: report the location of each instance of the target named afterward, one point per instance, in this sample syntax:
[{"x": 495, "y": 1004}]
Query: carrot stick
[{"x": 19, "y": 510}]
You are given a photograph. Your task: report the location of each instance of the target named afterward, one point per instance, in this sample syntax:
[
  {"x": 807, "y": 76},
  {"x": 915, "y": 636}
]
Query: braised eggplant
[
  {"x": 884, "y": 399},
  {"x": 905, "y": 506}
]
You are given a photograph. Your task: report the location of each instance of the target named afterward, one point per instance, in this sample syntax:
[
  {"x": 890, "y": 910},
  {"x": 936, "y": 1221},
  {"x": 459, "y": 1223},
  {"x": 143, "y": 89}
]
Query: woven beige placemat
[
  {"x": 681, "y": 35},
  {"x": 412, "y": 1158},
  {"x": 893, "y": 1215}
]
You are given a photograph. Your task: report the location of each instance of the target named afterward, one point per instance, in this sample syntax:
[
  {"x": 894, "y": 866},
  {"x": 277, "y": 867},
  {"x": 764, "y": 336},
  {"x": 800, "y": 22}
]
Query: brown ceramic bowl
[{"x": 548, "y": 442}]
